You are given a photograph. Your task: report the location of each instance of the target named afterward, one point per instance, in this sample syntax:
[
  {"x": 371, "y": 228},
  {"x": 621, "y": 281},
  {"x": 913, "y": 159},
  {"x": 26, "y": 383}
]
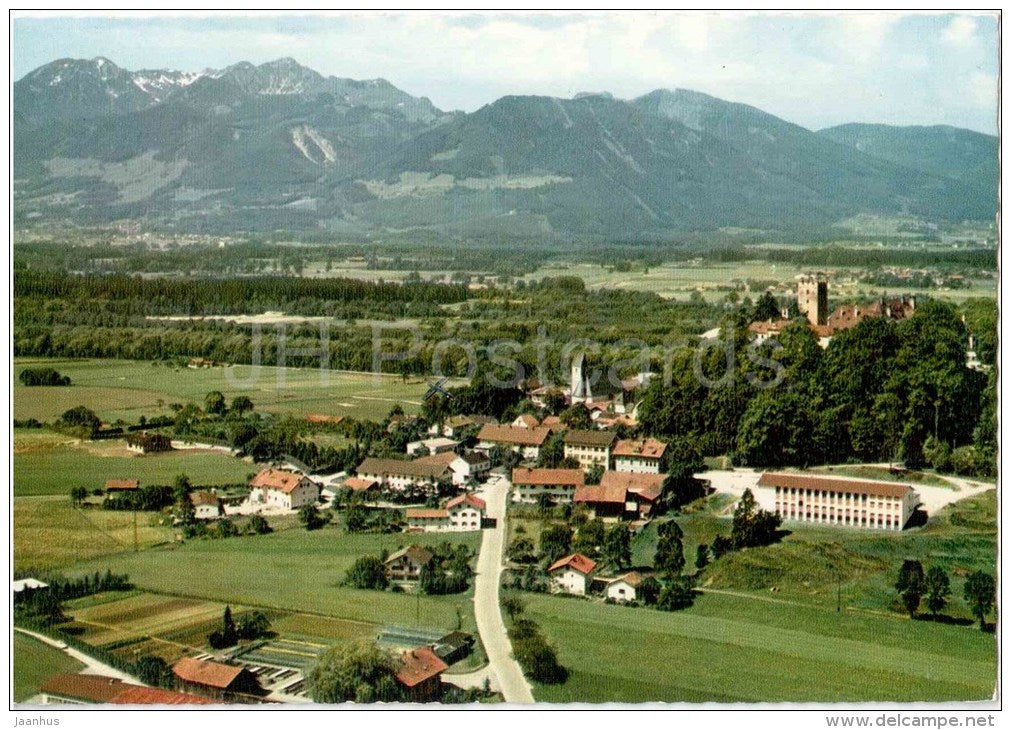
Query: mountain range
[{"x": 279, "y": 146}]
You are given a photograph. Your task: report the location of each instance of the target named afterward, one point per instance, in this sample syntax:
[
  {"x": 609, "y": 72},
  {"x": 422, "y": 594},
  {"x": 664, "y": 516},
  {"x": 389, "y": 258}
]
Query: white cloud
[{"x": 960, "y": 32}]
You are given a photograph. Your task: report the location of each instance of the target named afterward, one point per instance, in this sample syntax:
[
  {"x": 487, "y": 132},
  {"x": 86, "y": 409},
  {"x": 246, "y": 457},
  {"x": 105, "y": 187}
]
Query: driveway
[{"x": 504, "y": 671}]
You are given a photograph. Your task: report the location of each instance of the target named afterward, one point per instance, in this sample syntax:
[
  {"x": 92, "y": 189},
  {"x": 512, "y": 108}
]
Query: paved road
[
  {"x": 504, "y": 670},
  {"x": 91, "y": 665}
]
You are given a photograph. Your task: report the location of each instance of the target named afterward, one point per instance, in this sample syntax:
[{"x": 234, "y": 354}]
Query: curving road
[{"x": 501, "y": 664}]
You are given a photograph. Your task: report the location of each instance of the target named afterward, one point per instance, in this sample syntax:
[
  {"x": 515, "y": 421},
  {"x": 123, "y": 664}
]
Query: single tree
[
  {"x": 938, "y": 589},
  {"x": 241, "y": 404},
  {"x": 979, "y": 592},
  {"x": 910, "y": 585},
  {"x": 649, "y": 590},
  {"x": 617, "y": 548},
  {"x": 78, "y": 495},
  {"x": 367, "y": 572},
  {"x": 678, "y": 594},
  {"x": 258, "y": 525},
  {"x": 555, "y": 542},
  {"x": 355, "y": 672},
  {"x": 214, "y": 402},
  {"x": 701, "y": 556}
]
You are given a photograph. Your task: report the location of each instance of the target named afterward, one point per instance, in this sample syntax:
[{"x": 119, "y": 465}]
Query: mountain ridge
[{"x": 278, "y": 144}]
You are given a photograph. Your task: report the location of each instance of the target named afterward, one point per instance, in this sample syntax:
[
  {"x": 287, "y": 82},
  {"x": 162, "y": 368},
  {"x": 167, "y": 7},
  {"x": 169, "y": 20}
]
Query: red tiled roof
[
  {"x": 834, "y": 484},
  {"x": 122, "y": 483},
  {"x": 284, "y": 481},
  {"x": 443, "y": 459},
  {"x": 358, "y": 484},
  {"x": 645, "y": 485},
  {"x": 134, "y": 695},
  {"x": 83, "y": 687},
  {"x": 601, "y": 494},
  {"x": 210, "y": 674},
  {"x": 418, "y": 665},
  {"x": 528, "y": 421},
  {"x": 466, "y": 499},
  {"x": 648, "y": 448},
  {"x": 551, "y": 422},
  {"x": 577, "y": 561},
  {"x": 513, "y": 435},
  {"x": 548, "y": 477}
]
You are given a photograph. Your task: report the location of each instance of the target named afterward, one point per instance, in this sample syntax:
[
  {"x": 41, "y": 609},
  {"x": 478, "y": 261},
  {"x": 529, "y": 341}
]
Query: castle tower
[{"x": 812, "y": 298}]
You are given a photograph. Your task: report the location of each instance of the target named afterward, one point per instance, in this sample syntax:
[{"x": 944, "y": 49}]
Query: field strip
[{"x": 387, "y": 400}]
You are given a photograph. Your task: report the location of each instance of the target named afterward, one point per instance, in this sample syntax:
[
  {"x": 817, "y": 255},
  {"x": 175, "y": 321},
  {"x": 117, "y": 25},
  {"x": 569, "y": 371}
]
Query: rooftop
[
  {"x": 589, "y": 438},
  {"x": 415, "y": 553},
  {"x": 642, "y": 447},
  {"x": 834, "y": 484},
  {"x": 419, "y": 664},
  {"x": 284, "y": 481},
  {"x": 428, "y": 467},
  {"x": 122, "y": 483},
  {"x": 548, "y": 477},
  {"x": 513, "y": 435},
  {"x": 207, "y": 673},
  {"x": 83, "y": 687},
  {"x": 468, "y": 499},
  {"x": 601, "y": 494},
  {"x": 577, "y": 561}
]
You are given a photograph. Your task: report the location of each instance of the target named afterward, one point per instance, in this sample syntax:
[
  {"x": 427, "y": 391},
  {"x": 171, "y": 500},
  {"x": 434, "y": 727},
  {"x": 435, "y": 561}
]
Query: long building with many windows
[{"x": 836, "y": 501}]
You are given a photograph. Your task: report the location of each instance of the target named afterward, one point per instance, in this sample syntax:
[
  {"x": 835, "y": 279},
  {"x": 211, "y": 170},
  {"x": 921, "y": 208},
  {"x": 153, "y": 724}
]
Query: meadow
[
  {"x": 738, "y": 649},
  {"x": 34, "y": 663},
  {"x": 294, "y": 570},
  {"x": 50, "y": 533},
  {"x": 127, "y": 389},
  {"x": 48, "y": 464},
  {"x": 822, "y": 566}
]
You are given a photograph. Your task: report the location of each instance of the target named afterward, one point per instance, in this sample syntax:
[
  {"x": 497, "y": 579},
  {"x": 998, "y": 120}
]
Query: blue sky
[{"x": 813, "y": 69}]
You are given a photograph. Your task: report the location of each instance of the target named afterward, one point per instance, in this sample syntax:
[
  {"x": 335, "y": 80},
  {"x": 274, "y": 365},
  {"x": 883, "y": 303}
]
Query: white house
[
  {"x": 640, "y": 456},
  {"x": 461, "y": 514},
  {"x": 572, "y": 574},
  {"x": 589, "y": 448},
  {"x": 282, "y": 489},
  {"x": 206, "y": 506},
  {"x": 469, "y": 466},
  {"x": 624, "y": 588},
  {"x": 558, "y": 484}
]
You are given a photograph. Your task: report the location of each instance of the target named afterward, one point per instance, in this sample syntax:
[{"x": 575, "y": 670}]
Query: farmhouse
[
  {"x": 121, "y": 485},
  {"x": 420, "y": 673},
  {"x": 216, "y": 680},
  {"x": 469, "y": 466},
  {"x": 525, "y": 441},
  {"x": 608, "y": 501},
  {"x": 461, "y": 514},
  {"x": 525, "y": 420},
  {"x": 643, "y": 489},
  {"x": 589, "y": 448},
  {"x": 206, "y": 506},
  {"x": 284, "y": 489},
  {"x": 837, "y": 501},
  {"x": 572, "y": 574},
  {"x": 642, "y": 455},
  {"x": 623, "y": 588},
  {"x": 402, "y": 474},
  {"x": 558, "y": 484},
  {"x": 93, "y": 689},
  {"x": 406, "y": 563}
]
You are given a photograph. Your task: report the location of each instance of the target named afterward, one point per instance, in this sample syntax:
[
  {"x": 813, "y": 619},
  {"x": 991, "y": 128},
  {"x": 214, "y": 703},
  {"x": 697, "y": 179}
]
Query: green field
[
  {"x": 292, "y": 570},
  {"x": 50, "y": 533},
  {"x": 731, "y": 649},
  {"x": 55, "y": 467},
  {"x": 125, "y": 389},
  {"x": 34, "y": 663}
]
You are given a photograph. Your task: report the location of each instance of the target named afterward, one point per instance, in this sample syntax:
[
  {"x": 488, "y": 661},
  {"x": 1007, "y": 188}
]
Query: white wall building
[
  {"x": 282, "y": 489},
  {"x": 572, "y": 574},
  {"x": 837, "y": 501}
]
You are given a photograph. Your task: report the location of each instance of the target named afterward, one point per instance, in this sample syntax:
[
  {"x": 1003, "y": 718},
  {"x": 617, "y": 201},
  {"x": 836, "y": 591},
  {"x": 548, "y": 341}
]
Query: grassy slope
[
  {"x": 734, "y": 649},
  {"x": 34, "y": 663},
  {"x": 128, "y": 389},
  {"x": 293, "y": 570}
]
